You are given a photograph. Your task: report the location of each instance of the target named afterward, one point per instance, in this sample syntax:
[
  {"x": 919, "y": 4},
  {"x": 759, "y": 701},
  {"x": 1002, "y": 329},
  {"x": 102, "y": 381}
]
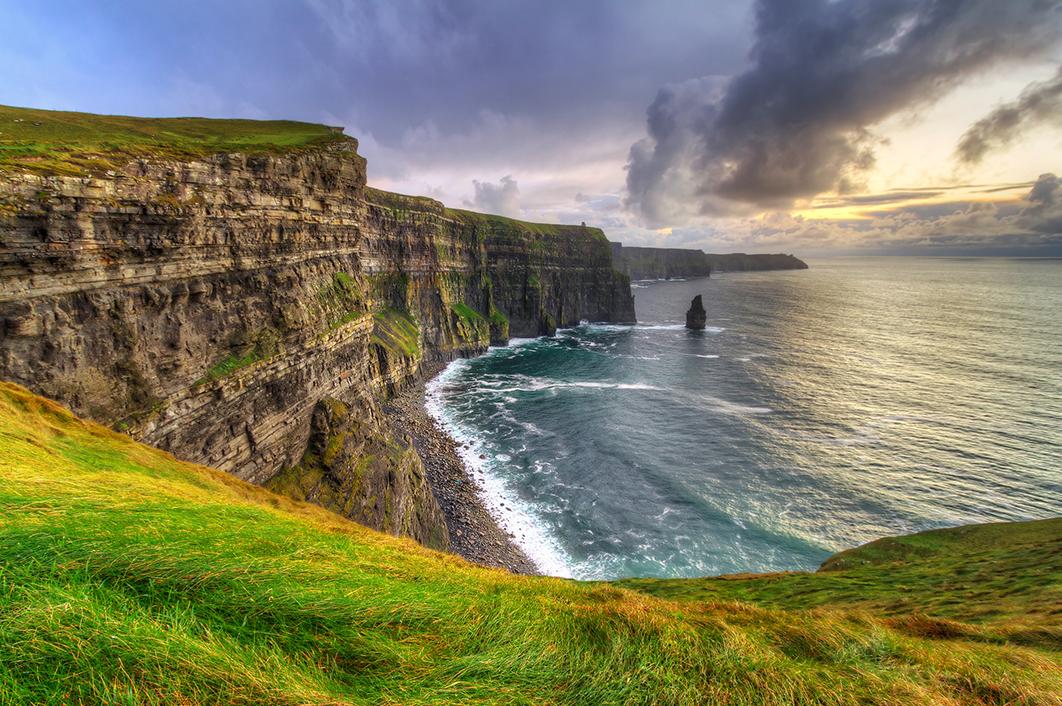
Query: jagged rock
[{"x": 696, "y": 317}]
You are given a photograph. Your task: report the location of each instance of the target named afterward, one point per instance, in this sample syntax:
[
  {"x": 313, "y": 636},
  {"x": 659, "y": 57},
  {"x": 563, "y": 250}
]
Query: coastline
[{"x": 474, "y": 532}]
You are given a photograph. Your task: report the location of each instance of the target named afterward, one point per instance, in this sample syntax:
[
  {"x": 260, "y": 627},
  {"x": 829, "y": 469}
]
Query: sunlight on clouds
[{"x": 920, "y": 149}]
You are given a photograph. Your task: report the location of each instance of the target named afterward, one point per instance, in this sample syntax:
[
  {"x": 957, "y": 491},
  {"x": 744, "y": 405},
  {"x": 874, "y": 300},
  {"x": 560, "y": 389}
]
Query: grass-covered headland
[
  {"x": 129, "y": 577},
  {"x": 60, "y": 142}
]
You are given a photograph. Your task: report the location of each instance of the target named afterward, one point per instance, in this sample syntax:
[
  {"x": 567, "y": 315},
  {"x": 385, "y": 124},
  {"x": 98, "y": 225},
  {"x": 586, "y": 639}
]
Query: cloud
[
  {"x": 1038, "y": 104},
  {"x": 1029, "y": 225},
  {"x": 1044, "y": 213},
  {"x": 798, "y": 122},
  {"x": 891, "y": 196},
  {"x": 503, "y": 197}
]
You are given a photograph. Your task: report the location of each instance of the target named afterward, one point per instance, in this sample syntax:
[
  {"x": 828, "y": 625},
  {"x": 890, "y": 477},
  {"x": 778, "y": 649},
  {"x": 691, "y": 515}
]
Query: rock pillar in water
[{"x": 696, "y": 317}]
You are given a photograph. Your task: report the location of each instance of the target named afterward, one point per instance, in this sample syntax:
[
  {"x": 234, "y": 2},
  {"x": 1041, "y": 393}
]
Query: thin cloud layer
[
  {"x": 1030, "y": 225},
  {"x": 799, "y": 122}
]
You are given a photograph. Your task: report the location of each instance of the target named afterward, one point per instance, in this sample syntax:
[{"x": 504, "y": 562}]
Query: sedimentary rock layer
[{"x": 207, "y": 307}]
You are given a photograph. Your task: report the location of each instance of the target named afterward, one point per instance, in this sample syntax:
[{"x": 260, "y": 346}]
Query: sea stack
[{"x": 696, "y": 317}]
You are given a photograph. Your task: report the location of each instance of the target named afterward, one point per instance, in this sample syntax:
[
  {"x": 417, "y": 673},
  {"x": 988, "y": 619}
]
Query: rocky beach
[{"x": 474, "y": 533}]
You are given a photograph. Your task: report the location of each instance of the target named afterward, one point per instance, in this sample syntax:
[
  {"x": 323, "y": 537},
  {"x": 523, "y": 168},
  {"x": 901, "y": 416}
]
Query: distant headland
[{"x": 667, "y": 263}]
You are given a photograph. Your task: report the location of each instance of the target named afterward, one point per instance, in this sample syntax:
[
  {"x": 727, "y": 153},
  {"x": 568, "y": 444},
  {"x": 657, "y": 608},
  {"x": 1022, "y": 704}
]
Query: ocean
[{"x": 821, "y": 409}]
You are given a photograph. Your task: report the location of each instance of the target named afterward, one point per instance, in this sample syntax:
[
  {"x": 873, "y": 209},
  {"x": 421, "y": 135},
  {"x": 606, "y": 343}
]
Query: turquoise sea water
[{"x": 821, "y": 409}]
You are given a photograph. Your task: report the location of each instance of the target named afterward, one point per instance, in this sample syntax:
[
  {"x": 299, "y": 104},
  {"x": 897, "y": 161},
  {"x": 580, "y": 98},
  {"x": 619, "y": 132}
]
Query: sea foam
[{"x": 513, "y": 514}]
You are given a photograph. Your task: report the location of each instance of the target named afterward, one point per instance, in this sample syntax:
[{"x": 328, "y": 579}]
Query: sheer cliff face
[
  {"x": 208, "y": 307},
  {"x": 665, "y": 263},
  {"x": 660, "y": 263},
  {"x": 741, "y": 262}
]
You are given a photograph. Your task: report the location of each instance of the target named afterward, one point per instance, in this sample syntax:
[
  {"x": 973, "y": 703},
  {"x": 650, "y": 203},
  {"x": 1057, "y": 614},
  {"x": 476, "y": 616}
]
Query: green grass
[
  {"x": 229, "y": 364},
  {"x": 403, "y": 202},
  {"x": 262, "y": 346},
  {"x": 129, "y": 577},
  {"x": 501, "y": 225},
  {"x": 468, "y": 314},
  {"x": 1005, "y": 577},
  {"x": 499, "y": 324},
  {"x": 397, "y": 332},
  {"x": 342, "y": 299},
  {"x": 471, "y": 325},
  {"x": 55, "y": 142}
]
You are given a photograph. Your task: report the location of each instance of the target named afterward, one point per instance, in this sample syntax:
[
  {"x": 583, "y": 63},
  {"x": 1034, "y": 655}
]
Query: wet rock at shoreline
[{"x": 474, "y": 533}]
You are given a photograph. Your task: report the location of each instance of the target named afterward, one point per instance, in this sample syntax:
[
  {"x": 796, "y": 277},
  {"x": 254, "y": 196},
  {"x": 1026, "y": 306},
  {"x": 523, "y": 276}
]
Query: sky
[{"x": 805, "y": 126}]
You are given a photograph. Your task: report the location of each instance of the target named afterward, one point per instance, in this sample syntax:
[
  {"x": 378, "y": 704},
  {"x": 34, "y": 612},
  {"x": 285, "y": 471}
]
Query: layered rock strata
[{"x": 208, "y": 307}]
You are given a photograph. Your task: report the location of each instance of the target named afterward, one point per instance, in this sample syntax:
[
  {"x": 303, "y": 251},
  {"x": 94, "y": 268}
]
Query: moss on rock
[{"x": 353, "y": 466}]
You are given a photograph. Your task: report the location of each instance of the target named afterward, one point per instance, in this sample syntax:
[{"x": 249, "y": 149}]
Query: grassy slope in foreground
[
  {"x": 1005, "y": 575},
  {"x": 127, "y": 576},
  {"x": 58, "y": 142}
]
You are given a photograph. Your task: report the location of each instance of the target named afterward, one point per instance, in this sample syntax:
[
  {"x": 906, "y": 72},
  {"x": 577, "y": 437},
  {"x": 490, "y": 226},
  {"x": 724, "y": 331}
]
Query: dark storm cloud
[
  {"x": 1038, "y": 104},
  {"x": 824, "y": 72}
]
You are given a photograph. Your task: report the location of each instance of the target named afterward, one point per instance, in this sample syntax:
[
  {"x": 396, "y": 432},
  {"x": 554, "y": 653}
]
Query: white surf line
[{"x": 515, "y": 517}]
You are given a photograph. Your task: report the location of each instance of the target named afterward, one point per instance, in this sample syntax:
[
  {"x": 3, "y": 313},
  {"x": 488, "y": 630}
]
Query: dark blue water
[{"x": 822, "y": 409}]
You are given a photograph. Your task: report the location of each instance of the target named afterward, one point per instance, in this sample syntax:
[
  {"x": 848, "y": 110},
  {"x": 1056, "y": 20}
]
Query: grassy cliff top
[
  {"x": 503, "y": 224},
  {"x": 51, "y": 142},
  {"x": 404, "y": 202},
  {"x": 498, "y": 224},
  {"x": 127, "y": 576},
  {"x": 56, "y": 142}
]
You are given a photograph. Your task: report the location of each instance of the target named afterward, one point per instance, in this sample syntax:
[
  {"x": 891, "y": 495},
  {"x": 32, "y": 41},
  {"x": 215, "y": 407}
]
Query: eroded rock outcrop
[
  {"x": 207, "y": 307},
  {"x": 696, "y": 316},
  {"x": 354, "y": 467}
]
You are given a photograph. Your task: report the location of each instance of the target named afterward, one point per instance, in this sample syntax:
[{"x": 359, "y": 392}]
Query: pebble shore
[{"x": 474, "y": 532}]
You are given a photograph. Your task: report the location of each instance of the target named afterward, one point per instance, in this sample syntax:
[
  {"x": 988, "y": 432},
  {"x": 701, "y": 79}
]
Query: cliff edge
[{"x": 207, "y": 302}]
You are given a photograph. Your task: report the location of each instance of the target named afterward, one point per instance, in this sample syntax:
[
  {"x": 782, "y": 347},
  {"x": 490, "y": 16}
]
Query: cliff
[
  {"x": 660, "y": 263},
  {"x": 131, "y": 577},
  {"x": 206, "y": 304},
  {"x": 740, "y": 262},
  {"x": 668, "y": 263}
]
